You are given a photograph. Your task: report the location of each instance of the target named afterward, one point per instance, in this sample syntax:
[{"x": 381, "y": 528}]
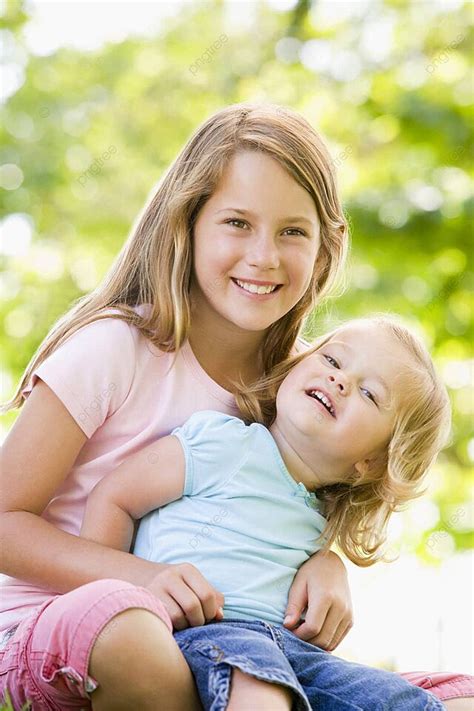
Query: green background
[{"x": 389, "y": 87}]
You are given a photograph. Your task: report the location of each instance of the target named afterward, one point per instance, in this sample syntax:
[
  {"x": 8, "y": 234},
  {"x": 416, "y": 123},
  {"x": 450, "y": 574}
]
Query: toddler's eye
[
  {"x": 368, "y": 394},
  {"x": 331, "y": 360}
]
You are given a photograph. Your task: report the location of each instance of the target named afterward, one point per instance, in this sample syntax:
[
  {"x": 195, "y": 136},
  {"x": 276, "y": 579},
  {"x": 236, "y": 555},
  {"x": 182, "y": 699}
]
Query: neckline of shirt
[
  {"x": 196, "y": 369},
  {"x": 219, "y": 392},
  {"x": 204, "y": 378},
  {"x": 298, "y": 487},
  {"x": 223, "y": 395}
]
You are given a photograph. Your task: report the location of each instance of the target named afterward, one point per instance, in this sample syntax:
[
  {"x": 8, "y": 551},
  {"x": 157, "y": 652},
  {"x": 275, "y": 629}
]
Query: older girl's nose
[{"x": 263, "y": 253}]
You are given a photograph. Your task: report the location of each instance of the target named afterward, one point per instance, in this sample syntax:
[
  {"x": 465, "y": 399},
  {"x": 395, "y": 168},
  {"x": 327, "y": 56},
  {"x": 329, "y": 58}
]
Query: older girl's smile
[{"x": 253, "y": 260}]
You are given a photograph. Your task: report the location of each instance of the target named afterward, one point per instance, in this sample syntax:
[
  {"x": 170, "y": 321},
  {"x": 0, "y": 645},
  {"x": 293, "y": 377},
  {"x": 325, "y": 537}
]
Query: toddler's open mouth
[{"x": 324, "y": 399}]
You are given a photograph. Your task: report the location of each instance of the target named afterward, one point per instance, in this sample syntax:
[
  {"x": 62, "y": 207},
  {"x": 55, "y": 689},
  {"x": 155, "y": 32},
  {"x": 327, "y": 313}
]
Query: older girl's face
[{"x": 256, "y": 241}]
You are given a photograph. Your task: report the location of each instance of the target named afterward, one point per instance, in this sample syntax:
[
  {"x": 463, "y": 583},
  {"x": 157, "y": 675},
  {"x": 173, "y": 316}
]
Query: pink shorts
[
  {"x": 46, "y": 660},
  {"x": 442, "y": 684}
]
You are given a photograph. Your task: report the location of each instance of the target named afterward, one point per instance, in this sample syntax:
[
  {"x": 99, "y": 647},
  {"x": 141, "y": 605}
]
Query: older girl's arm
[
  {"x": 321, "y": 588},
  {"x": 36, "y": 457}
]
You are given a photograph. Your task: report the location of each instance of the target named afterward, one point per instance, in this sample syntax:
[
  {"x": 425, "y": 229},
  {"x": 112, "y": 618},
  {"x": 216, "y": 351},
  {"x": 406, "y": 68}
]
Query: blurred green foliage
[{"x": 88, "y": 133}]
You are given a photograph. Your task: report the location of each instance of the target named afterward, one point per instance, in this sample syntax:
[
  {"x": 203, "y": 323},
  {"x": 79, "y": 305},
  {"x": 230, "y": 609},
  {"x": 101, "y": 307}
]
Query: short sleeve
[
  {"x": 91, "y": 372},
  {"x": 215, "y": 446}
]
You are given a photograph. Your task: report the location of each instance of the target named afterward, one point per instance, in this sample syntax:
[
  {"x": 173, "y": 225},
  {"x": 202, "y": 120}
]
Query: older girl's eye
[
  {"x": 331, "y": 360},
  {"x": 368, "y": 394},
  {"x": 241, "y": 222},
  {"x": 295, "y": 229}
]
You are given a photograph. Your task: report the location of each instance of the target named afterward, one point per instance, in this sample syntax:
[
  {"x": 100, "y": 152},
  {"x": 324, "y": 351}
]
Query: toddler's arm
[
  {"x": 145, "y": 481},
  {"x": 36, "y": 457},
  {"x": 151, "y": 478}
]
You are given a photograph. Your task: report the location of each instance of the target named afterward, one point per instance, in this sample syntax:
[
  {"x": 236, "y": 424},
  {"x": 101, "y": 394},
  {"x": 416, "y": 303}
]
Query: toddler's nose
[{"x": 340, "y": 382}]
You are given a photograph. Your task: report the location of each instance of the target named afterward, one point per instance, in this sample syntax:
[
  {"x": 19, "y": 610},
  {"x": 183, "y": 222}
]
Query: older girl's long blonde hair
[
  {"x": 358, "y": 511},
  {"x": 155, "y": 263}
]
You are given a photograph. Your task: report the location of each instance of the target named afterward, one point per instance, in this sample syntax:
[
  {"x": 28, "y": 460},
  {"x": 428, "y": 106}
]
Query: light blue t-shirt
[{"x": 243, "y": 521}]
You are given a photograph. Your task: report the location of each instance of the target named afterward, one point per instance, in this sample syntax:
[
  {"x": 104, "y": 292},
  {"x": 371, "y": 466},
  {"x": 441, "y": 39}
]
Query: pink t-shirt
[{"x": 124, "y": 394}]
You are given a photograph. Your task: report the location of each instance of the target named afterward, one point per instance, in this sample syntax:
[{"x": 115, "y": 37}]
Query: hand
[
  {"x": 320, "y": 586},
  {"x": 187, "y": 595}
]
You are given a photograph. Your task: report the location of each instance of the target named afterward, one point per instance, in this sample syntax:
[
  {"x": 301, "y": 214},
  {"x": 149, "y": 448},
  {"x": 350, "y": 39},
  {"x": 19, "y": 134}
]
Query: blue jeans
[{"x": 272, "y": 653}]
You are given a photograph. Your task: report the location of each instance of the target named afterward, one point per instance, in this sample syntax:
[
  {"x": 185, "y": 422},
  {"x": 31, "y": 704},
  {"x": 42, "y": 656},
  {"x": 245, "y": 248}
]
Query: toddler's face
[
  {"x": 336, "y": 408},
  {"x": 252, "y": 265}
]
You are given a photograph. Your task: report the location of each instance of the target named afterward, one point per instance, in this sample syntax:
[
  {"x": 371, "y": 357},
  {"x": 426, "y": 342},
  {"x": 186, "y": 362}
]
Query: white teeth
[
  {"x": 321, "y": 396},
  {"x": 254, "y": 289}
]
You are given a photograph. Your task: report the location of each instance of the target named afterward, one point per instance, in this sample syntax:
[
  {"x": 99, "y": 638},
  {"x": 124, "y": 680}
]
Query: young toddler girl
[{"x": 354, "y": 424}]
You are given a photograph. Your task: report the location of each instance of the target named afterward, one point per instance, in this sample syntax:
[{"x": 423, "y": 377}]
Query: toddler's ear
[
  {"x": 362, "y": 467},
  {"x": 366, "y": 467}
]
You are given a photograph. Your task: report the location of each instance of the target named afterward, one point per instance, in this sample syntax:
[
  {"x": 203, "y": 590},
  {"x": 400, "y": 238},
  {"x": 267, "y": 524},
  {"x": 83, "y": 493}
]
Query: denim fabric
[{"x": 272, "y": 653}]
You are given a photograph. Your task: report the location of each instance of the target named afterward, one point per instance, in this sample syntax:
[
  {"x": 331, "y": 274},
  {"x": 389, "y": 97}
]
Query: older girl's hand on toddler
[
  {"x": 189, "y": 598},
  {"x": 320, "y": 587}
]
